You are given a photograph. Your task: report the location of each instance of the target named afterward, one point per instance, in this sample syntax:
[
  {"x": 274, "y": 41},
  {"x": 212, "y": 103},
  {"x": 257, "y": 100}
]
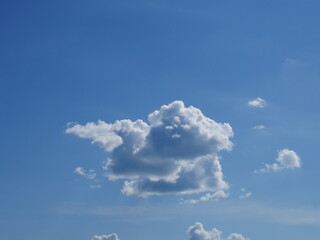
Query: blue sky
[{"x": 65, "y": 63}]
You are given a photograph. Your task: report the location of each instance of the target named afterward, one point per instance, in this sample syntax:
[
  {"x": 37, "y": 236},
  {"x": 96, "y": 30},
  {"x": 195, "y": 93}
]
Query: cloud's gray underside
[{"x": 175, "y": 152}]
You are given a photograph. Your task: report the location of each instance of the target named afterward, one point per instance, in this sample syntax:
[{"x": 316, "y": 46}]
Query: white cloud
[
  {"x": 237, "y": 236},
  {"x": 259, "y": 127},
  {"x": 257, "y": 102},
  {"x": 197, "y": 232},
  {"x": 286, "y": 159},
  {"x": 216, "y": 196},
  {"x": 175, "y": 152},
  {"x": 86, "y": 174},
  {"x": 244, "y": 194},
  {"x": 95, "y": 186},
  {"x": 112, "y": 236}
]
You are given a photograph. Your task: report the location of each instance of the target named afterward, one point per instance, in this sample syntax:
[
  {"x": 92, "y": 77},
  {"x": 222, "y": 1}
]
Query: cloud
[
  {"x": 216, "y": 196},
  {"x": 236, "y": 236},
  {"x": 112, "y": 236},
  {"x": 286, "y": 159},
  {"x": 259, "y": 127},
  {"x": 257, "y": 102},
  {"x": 197, "y": 232},
  {"x": 86, "y": 174},
  {"x": 175, "y": 152},
  {"x": 244, "y": 194}
]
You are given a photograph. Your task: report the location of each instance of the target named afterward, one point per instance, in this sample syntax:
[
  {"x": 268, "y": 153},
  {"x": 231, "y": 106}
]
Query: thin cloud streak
[{"x": 222, "y": 210}]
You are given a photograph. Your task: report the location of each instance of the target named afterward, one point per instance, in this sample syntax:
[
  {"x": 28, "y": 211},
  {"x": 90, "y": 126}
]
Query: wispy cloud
[
  {"x": 259, "y": 127},
  {"x": 100, "y": 210},
  {"x": 86, "y": 174},
  {"x": 291, "y": 216},
  {"x": 237, "y": 210},
  {"x": 244, "y": 194}
]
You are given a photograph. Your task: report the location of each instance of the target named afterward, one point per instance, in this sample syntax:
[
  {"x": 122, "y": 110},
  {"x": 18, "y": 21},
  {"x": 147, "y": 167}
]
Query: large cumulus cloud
[
  {"x": 174, "y": 152},
  {"x": 198, "y": 232}
]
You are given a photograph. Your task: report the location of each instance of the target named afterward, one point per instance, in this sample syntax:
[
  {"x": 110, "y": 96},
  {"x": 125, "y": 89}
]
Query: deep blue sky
[{"x": 65, "y": 61}]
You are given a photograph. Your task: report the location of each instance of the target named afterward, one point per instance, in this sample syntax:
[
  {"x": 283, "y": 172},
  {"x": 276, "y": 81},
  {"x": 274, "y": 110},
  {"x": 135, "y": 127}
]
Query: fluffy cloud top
[
  {"x": 286, "y": 159},
  {"x": 197, "y": 232},
  {"x": 257, "y": 102},
  {"x": 86, "y": 174},
  {"x": 112, "y": 236},
  {"x": 175, "y": 152}
]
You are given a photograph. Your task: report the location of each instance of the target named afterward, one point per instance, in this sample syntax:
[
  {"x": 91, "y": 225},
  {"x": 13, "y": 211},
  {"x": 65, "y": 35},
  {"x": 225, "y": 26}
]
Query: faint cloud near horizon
[{"x": 239, "y": 211}]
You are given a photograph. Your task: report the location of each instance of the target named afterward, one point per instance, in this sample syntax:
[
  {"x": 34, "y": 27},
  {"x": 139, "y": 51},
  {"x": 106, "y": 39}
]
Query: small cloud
[
  {"x": 112, "y": 236},
  {"x": 244, "y": 194},
  {"x": 207, "y": 197},
  {"x": 95, "y": 186},
  {"x": 257, "y": 102},
  {"x": 237, "y": 236},
  {"x": 198, "y": 232},
  {"x": 176, "y": 135},
  {"x": 259, "y": 127},
  {"x": 286, "y": 159},
  {"x": 86, "y": 174}
]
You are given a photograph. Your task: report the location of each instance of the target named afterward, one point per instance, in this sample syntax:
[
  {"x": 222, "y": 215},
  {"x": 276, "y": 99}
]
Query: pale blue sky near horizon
[{"x": 84, "y": 61}]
